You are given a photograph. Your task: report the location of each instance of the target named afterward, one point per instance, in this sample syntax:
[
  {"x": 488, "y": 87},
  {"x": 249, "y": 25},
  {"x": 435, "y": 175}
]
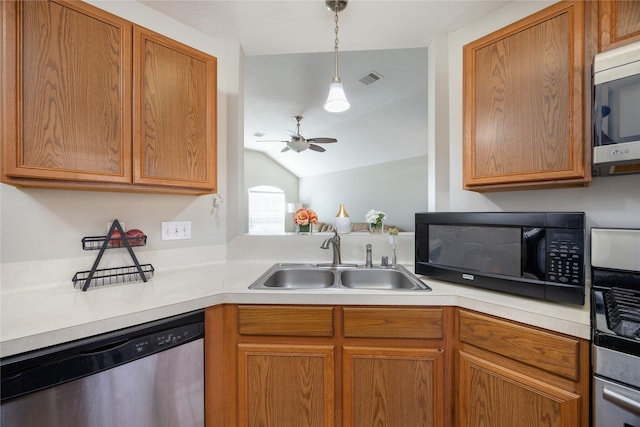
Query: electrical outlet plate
[{"x": 176, "y": 230}]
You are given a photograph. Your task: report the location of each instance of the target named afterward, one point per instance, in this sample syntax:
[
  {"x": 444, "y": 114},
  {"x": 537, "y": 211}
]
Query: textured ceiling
[{"x": 290, "y": 63}]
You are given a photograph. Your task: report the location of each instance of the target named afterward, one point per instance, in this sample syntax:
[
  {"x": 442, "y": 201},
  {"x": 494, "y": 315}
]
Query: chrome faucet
[
  {"x": 335, "y": 243},
  {"x": 369, "y": 262}
]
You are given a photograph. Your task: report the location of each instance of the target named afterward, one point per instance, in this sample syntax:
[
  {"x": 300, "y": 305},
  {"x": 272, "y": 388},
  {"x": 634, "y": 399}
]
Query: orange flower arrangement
[{"x": 305, "y": 216}]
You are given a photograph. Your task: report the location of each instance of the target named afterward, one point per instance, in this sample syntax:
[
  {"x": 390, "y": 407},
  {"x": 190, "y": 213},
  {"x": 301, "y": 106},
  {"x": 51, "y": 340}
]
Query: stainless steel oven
[{"x": 615, "y": 265}]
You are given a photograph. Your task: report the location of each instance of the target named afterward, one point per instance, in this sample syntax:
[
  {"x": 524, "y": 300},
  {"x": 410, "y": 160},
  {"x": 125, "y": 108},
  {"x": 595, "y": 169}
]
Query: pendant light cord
[{"x": 336, "y": 78}]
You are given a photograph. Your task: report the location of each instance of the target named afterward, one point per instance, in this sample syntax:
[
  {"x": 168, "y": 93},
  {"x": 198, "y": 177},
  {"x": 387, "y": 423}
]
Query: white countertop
[{"x": 35, "y": 318}]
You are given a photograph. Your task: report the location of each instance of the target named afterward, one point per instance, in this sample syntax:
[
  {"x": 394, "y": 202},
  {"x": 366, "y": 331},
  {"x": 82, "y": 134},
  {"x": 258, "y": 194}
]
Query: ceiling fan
[{"x": 299, "y": 143}]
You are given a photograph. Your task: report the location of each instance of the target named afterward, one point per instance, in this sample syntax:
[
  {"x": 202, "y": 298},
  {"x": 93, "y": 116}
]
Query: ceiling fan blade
[
  {"x": 322, "y": 140},
  {"x": 272, "y": 140},
  {"x": 317, "y": 148},
  {"x": 285, "y": 149}
]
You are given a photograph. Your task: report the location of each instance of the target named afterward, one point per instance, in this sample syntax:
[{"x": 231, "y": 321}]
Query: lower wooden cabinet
[
  {"x": 362, "y": 366},
  {"x": 285, "y": 385},
  {"x": 325, "y": 366},
  {"x": 510, "y": 374},
  {"x": 392, "y": 386},
  {"x": 491, "y": 395}
]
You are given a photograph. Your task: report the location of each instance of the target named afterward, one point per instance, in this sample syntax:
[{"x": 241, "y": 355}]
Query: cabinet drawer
[
  {"x": 551, "y": 352},
  {"x": 375, "y": 322},
  {"x": 285, "y": 320}
]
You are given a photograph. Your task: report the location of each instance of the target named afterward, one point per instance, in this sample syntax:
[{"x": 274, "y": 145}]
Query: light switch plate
[{"x": 176, "y": 230}]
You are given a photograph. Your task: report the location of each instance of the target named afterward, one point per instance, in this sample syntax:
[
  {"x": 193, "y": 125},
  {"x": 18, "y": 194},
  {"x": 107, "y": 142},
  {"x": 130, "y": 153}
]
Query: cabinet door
[
  {"x": 490, "y": 395},
  {"x": 175, "y": 105},
  {"x": 286, "y": 385},
  {"x": 66, "y": 85},
  {"x": 392, "y": 386},
  {"x": 619, "y": 22},
  {"x": 523, "y": 103}
]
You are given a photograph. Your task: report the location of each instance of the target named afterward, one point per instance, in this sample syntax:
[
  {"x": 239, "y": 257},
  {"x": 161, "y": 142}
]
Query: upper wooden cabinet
[
  {"x": 175, "y": 122},
  {"x": 66, "y": 102},
  {"x": 524, "y": 105},
  {"x": 69, "y": 75},
  {"x": 619, "y": 22}
]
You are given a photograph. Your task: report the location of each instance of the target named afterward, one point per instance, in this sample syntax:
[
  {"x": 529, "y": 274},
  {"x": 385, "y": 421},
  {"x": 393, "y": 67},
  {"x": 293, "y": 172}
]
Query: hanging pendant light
[{"x": 336, "y": 101}]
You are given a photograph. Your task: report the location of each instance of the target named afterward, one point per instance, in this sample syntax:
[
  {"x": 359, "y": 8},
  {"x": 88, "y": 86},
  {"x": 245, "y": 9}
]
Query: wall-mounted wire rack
[{"x": 110, "y": 276}]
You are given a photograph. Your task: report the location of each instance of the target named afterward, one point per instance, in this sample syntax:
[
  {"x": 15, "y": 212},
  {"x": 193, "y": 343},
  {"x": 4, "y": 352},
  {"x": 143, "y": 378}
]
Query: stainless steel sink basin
[
  {"x": 300, "y": 278},
  {"x": 345, "y": 276},
  {"x": 380, "y": 278}
]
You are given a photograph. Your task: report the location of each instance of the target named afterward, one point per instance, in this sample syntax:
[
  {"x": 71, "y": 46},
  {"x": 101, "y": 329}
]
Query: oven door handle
[{"x": 620, "y": 400}]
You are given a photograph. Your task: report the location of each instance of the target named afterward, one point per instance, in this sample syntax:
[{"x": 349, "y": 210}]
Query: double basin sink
[{"x": 342, "y": 276}]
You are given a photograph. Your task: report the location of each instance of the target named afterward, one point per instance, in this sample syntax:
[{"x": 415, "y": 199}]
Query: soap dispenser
[{"x": 342, "y": 223}]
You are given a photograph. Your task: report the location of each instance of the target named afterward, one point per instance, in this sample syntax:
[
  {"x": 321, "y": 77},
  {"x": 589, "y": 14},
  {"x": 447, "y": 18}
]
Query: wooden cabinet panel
[
  {"x": 393, "y": 386},
  {"x": 67, "y": 99},
  {"x": 301, "y": 321},
  {"x": 69, "y": 75},
  {"x": 175, "y": 140},
  {"x": 333, "y": 370},
  {"x": 490, "y": 395},
  {"x": 545, "y": 350},
  {"x": 286, "y": 365},
  {"x": 619, "y": 22},
  {"x": 392, "y": 322},
  {"x": 523, "y": 103},
  {"x": 285, "y": 385}
]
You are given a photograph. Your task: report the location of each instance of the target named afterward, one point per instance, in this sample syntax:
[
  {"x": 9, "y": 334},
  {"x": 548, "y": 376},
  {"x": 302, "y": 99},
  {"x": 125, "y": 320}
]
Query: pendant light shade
[{"x": 337, "y": 100}]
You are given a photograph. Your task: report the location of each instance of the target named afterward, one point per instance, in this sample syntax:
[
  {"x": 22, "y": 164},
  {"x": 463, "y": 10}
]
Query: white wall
[
  {"x": 607, "y": 202},
  {"x": 49, "y": 224},
  {"x": 260, "y": 169},
  {"x": 397, "y": 188}
]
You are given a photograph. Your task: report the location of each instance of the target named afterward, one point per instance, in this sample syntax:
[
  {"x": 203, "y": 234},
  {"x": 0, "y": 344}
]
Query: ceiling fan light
[{"x": 337, "y": 100}]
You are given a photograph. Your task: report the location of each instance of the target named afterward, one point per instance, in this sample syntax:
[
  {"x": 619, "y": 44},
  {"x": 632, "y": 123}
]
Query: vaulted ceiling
[{"x": 289, "y": 64}]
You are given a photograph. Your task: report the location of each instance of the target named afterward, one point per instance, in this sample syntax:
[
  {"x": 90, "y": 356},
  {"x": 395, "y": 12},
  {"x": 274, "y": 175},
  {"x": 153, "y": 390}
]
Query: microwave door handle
[
  {"x": 533, "y": 254},
  {"x": 620, "y": 400}
]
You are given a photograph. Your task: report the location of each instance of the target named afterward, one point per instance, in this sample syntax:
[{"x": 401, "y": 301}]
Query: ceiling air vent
[{"x": 370, "y": 78}]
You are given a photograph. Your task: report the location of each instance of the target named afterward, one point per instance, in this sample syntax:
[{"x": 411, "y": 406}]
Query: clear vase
[
  {"x": 305, "y": 229},
  {"x": 376, "y": 227}
]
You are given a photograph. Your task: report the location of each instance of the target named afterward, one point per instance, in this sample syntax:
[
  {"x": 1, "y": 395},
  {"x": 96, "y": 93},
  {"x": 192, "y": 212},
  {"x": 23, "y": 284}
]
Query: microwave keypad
[{"x": 565, "y": 262}]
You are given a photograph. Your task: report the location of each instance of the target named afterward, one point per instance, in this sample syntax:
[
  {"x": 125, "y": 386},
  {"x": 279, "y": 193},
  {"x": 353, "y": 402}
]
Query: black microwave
[{"x": 533, "y": 254}]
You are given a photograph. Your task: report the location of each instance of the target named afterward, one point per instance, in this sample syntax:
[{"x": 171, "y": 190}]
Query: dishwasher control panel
[{"x": 161, "y": 341}]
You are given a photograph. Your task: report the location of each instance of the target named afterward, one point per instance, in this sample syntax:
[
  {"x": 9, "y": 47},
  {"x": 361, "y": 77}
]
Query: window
[{"x": 266, "y": 210}]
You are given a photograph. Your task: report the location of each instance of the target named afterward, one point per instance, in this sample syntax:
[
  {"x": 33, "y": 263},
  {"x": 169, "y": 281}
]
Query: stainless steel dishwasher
[{"x": 148, "y": 375}]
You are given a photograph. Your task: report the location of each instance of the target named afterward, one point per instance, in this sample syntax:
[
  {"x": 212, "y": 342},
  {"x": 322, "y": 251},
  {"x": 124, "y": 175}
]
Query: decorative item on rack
[
  {"x": 304, "y": 218},
  {"x": 376, "y": 221},
  {"x": 337, "y": 100},
  {"x": 342, "y": 222},
  {"x": 116, "y": 237}
]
